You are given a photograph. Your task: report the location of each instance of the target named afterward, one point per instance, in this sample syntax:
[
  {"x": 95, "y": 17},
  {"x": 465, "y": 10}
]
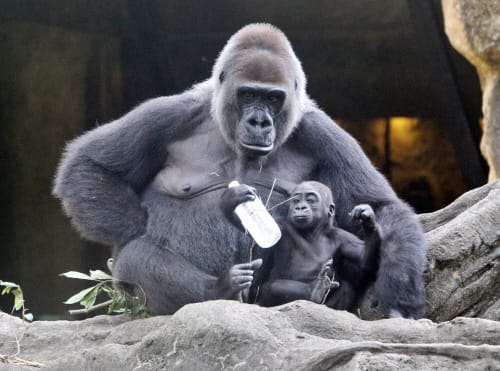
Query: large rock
[
  {"x": 472, "y": 27},
  {"x": 220, "y": 335},
  {"x": 463, "y": 275}
]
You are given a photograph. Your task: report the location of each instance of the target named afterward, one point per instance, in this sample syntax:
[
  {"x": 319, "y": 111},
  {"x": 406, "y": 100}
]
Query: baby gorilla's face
[{"x": 308, "y": 209}]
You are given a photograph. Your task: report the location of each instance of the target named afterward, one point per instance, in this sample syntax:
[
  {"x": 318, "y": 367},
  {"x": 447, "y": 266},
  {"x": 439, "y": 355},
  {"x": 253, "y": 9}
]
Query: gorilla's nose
[{"x": 259, "y": 120}]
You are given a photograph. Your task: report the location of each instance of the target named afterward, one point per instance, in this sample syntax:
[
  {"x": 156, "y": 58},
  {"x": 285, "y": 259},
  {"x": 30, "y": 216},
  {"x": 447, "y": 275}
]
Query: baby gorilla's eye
[{"x": 248, "y": 95}]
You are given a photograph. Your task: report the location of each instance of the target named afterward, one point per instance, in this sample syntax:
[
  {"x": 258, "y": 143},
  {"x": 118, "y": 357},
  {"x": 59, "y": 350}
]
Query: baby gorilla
[{"x": 312, "y": 248}]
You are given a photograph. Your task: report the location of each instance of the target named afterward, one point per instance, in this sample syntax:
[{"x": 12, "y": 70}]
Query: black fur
[{"x": 150, "y": 182}]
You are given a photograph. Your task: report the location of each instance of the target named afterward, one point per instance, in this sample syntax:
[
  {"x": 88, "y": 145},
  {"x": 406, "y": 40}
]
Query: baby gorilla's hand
[{"x": 364, "y": 214}]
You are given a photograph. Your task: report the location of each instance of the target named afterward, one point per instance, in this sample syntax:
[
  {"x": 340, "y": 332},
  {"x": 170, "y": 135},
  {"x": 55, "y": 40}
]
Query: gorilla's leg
[
  {"x": 343, "y": 298},
  {"x": 283, "y": 291},
  {"x": 167, "y": 281}
]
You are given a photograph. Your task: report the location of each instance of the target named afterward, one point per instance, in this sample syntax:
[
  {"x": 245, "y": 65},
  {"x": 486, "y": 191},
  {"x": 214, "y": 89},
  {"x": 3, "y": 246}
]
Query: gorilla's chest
[{"x": 204, "y": 162}]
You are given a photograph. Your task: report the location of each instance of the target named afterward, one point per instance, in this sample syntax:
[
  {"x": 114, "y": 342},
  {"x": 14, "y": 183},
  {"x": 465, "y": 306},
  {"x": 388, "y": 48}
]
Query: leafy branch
[
  {"x": 17, "y": 292},
  {"x": 119, "y": 300}
]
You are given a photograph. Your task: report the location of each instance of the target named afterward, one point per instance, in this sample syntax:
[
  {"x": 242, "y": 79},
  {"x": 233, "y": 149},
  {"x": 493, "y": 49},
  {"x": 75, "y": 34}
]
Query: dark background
[{"x": 66, "y": 66}]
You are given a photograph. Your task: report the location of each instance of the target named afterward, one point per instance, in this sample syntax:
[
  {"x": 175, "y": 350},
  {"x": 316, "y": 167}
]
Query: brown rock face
[{"x": 473, "y": 27}]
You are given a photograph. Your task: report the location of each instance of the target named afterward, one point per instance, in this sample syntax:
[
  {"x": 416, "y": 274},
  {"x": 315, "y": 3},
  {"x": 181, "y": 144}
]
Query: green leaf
[
  {"x": 8, "y": 284},
  {"x": 78, "y": 297},
  {"x": 108, "y": 290},
  {"x": 89, "y": 299},
  {"x": 100, "y": 275},
  {"x": 77, "y": 275},
  {"x": 18, "y": 299},
  {"x": 6, "y": 290}
]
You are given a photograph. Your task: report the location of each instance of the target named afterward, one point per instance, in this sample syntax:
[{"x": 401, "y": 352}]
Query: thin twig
[
  {"x": 19, "y": 361},
  {"x": 91, "y": 309},
  {"x": 251, "y": 251},
  {"x": 281, "y": 203},
  {"x": 13, "y": 359},
  {"x": 270, "y": 193}
]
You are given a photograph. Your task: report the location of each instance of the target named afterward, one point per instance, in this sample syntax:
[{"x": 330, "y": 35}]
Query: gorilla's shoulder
[
  {"x": 182, "y": 106},
  {"x": 321, "y": 132},
  {"x": 314, "y": 119},
  {"x": 342, "y": 234}
]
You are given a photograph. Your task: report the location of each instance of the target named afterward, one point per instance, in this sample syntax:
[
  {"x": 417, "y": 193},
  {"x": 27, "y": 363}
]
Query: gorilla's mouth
[
  {"x": 302, "y": 221},
  {"x": 302, "y": 217},
  {"x": 257, "y": 147}
]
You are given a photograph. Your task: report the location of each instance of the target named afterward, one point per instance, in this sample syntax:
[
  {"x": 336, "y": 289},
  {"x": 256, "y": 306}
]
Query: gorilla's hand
[
  {"x": 231, "y": 198},
  {"x": 238, "y": 278},
  {"x": 365, "y": 215}
]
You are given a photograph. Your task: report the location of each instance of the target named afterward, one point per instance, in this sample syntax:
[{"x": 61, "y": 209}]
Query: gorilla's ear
[
  {"x": 331, "y": 210},
  {"x": 222, "y": 76}
]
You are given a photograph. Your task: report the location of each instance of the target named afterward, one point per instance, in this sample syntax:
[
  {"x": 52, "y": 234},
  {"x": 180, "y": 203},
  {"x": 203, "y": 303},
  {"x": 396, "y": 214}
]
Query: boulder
[
  {"x": 219, "y": 335},
  {"x": 472, "y": 28}
]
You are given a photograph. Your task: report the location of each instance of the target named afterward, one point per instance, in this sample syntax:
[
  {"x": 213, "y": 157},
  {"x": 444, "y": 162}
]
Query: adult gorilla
[{"x": 150, "y": 182}]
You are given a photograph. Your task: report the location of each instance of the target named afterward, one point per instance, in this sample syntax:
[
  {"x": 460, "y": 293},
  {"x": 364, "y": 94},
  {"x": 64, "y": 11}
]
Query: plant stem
[{"x": 91, "y": 309}]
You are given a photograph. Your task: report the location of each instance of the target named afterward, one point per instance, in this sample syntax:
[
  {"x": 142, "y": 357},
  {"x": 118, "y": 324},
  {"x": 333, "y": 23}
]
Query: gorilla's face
[
  {"x": 309, "y": 207},
  {"x": 259, "y": 106},
  {"x": 259, "y": 90}
]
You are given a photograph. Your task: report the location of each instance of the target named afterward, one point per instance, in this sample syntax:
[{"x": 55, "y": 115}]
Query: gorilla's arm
[{"x": 103, "y": 171}]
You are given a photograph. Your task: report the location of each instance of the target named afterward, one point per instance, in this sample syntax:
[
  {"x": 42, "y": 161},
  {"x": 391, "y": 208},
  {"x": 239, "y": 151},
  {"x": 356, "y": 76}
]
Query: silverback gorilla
[
  {"x": 298, "y": 267},
  {"x": 150, "y": 182}
]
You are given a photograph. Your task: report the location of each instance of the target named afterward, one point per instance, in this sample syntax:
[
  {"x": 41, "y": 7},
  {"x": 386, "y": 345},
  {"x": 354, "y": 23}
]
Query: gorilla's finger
[
  {"x": 256, "y": 264},
  {"x": 253, "y": 265},
  {"x": 242, "y": 272},
  {"x": 334, "y": 284},
  {"x": 244, "y": 285},
  {"x": 241, "y": 279}
]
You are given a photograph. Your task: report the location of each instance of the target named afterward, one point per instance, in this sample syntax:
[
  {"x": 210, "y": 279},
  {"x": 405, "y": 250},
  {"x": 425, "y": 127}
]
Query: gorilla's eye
[
  {"x": 248, "y": 95},
  {"x": 272, "y": 98}
]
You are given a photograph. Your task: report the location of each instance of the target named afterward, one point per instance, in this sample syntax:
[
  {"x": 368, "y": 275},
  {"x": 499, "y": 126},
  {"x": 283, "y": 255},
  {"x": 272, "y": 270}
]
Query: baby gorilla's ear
[{"x": 331, "y": 210}]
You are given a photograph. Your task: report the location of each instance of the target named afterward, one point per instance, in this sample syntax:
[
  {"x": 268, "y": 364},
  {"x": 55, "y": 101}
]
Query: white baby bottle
[{"x": 257, "y": 221}]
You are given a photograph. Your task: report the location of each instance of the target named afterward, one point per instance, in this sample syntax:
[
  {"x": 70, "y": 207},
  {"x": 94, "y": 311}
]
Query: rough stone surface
[
  {"x": 462, "y": 280},
  {"x": 473, "y": 27},
  {"x": 463, "y": 275},
  {"x": 220, "y": 335}
]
